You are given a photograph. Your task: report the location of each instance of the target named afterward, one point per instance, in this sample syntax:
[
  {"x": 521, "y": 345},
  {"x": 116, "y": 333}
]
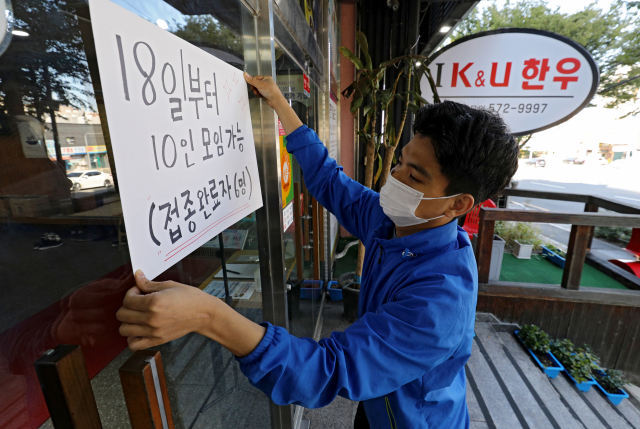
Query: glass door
[
  {"x": 64, "y": 256},
  {"x": 303, "y": 217}
]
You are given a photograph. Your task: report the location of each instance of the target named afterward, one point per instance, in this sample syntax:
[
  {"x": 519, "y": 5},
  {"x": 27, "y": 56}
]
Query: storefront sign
[
  {"x": 73, "y": 150},
  {"x": 294, "y": 86},
  {"x": 305, "y": 85},
  {"x": 32, "y": 137},
  {"x": 286, "y": 179},
  {"x": 51, "y": 149},
  {"x": 231, "y": 238},
  {"x": 182, "y": 139},
  {"x": 96, "y": 149},
  {"x": 534, "y": 79}
]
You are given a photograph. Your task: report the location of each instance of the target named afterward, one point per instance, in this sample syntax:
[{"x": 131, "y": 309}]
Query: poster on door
[
  {"x": 181, "y": 133},
  {"x": 286, "y": 179},
  {"x": 333, "y": 153}
]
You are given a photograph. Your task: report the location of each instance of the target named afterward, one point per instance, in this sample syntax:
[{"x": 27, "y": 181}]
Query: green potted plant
[
  {"x": 375, "y": 101},
  {"x": 610, "y": 382},
  {"x": 521, "y": 237},
  {"x": 578, "y": 363},
  {"x": 538, "y": 344},
  {"x": 554, "y": 254}
]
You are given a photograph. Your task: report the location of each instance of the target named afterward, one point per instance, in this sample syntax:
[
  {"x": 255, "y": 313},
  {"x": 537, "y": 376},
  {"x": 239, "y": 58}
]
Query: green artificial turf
[
  {"x": 534, "y": 270},
  {"x": 540, "y": 270}
]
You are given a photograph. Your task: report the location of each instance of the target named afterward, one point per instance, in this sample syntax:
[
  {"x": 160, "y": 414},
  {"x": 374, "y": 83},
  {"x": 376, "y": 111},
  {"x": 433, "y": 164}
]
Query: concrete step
[
  {"x": 525, "y": 401},
  {"x": 507, "y": 390},
  {"x": 561, "y": 409},
  {"x": 494, "y": 401},
  {"x": 594, "y": 399},
  {"x": 610, "y": 413},
  {"x": 486, "y": 318},
  {"x": 476, "y": 413}
]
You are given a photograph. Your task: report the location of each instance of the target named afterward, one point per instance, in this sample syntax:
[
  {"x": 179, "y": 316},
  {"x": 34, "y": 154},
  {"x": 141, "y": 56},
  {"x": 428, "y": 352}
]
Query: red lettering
[
  {"x": 531, "y": 71},
  {"x": 566, "y": 79},
  {"x": 574, "y": 61},
  {"x": 454, "y": 78},
  {"x": 507, "y": 74}
]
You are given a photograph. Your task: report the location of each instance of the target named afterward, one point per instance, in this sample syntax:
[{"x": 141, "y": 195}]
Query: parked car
[
  {"x": 89, "y": 179},
  {"x": 573, "y": 160},
  {"x": 536, "y": 162}
]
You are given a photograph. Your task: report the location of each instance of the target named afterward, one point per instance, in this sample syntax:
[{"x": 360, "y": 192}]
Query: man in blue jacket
[{"x": 404, "y": 358}]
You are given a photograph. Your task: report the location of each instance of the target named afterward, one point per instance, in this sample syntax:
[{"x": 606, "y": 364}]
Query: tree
[
  {"x": 612, "y": 38},
  {"x": 206, "y": 31},
  {"x": 376, "y": 102},
  {"x": 47, "y": 69}
]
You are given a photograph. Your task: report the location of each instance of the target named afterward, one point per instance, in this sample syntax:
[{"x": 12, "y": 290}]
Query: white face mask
[{"x": 399, "y": 202}]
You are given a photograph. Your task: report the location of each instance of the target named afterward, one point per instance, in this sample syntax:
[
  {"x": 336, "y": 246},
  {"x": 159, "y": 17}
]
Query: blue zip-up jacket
[{"x": 405, "y": 355}]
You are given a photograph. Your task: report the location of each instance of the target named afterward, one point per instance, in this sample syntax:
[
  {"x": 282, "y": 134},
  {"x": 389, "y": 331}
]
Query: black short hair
[{"x": 474, "y": 147}]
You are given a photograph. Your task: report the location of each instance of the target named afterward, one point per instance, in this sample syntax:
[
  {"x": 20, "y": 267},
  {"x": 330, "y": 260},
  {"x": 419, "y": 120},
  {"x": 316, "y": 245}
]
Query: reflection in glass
[
  {"x": 304, "y": 297},
  {"x": 64, "y": 259}
]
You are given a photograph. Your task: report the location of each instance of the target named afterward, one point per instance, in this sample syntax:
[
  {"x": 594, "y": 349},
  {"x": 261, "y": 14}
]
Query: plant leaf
[
  {"x": 436, "y": 97},
  {"x": 390, "y": 131},
  {"x": 366, "y": 109},
  {"x": 419, "y": 97},
  {"x": 348, "y": 54},
  {"x": 364, "y": 85},
  {"x": 393, "y": 61},
  {"x": 364, "y": 47},
  {"x": 349, "y": 90},
  {"x": 367, "y": 124},
  {"x": 355, "y": 105},
  {"x": 379, "y": 172}
]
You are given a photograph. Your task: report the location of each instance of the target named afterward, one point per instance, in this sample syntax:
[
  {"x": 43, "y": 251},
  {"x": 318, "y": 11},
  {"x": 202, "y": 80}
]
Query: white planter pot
[
  {"x": 497, "y": 253},
  {"x": 522, "y": 251}
]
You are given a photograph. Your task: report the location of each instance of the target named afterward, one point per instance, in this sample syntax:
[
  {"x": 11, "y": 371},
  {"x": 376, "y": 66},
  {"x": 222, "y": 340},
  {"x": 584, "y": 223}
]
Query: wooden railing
[
  {"x": 582, "y": 225},
  {"x": 605, "y": 319}
]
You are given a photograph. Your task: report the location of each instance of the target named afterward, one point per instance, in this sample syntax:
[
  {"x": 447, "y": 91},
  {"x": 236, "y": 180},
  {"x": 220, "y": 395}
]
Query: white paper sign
[
  {"x": 237, "y": 290},
  {"x": 182, "y": 138},
  {"x": 534, "y": 79}
]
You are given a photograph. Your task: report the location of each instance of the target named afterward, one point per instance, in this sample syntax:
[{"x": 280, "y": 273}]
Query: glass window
[
  {"x": 64, "y": 259},
  {"x": 303, "y": 237}
]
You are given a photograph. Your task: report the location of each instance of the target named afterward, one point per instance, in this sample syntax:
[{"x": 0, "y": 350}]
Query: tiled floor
[{"x": 341, "y": 412}]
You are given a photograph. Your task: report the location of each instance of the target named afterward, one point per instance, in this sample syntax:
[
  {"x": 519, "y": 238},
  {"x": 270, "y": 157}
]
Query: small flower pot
[
  {"x": 553, "y": 257},
  {"x": 293, "y": 295},
  {"x": 551, "y": 371},
  {"x": 311, "y": 289},
  {"x": 614, "y": 398},
  {"x": 585, "y": 386},
  {"x": 351, "y": 297},
  {"x": 335, "y": 292},
  {"x": 522, "y": 251}
]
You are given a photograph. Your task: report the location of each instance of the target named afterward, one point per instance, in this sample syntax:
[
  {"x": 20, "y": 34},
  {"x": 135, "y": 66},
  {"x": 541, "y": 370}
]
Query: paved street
[{"x": 621, "y": 185}]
